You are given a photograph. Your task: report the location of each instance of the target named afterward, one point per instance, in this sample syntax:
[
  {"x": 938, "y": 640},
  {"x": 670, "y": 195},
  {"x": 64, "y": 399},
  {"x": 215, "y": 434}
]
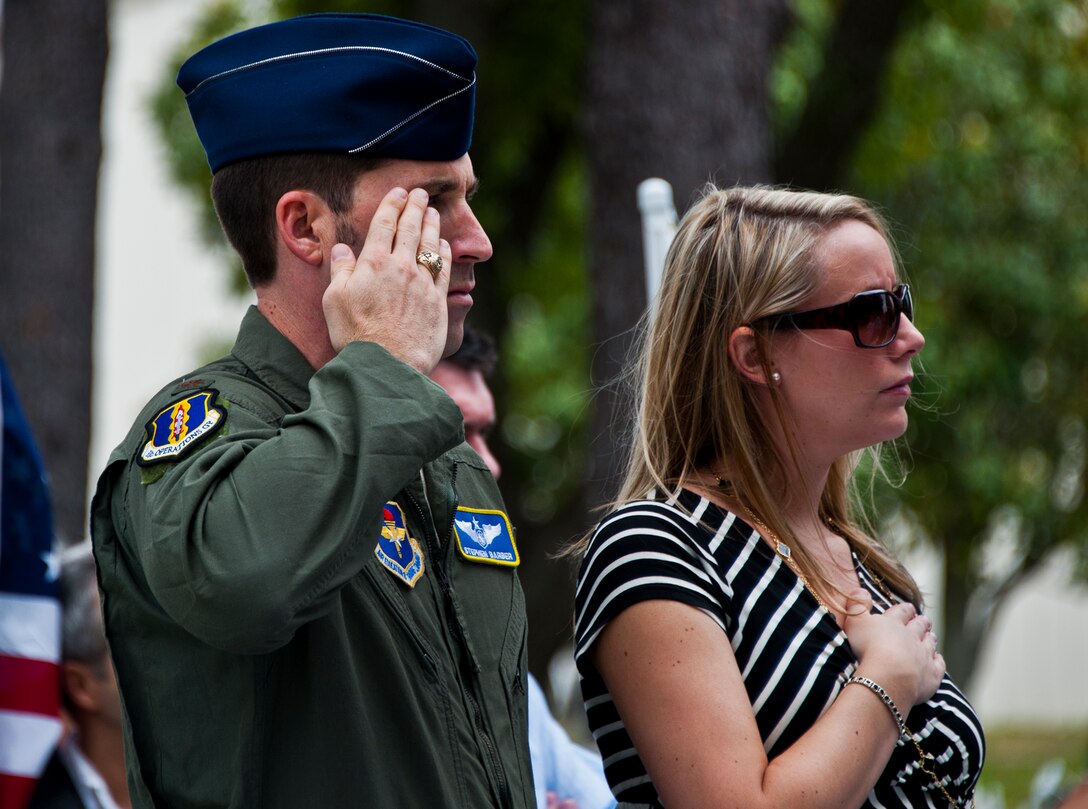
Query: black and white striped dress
[{"x": 791, "y": 653}]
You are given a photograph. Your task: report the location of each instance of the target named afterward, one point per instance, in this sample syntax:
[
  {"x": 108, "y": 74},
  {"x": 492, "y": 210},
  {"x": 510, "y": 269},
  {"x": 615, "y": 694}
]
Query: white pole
[{"x": 658, "y": 228}]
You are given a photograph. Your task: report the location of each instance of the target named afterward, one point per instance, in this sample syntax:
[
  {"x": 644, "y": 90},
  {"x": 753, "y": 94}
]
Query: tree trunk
[
  {"x": 675, "y": 93},
  {"x": 960, "y": 636},
  {"x": 971, "y": 606},
  {"x": 844, "y": 97},
  {"x": 50, "y": 144}
]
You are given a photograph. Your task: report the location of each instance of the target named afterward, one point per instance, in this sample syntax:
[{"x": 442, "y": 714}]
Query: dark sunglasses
[{"x": 872, "y": 317}]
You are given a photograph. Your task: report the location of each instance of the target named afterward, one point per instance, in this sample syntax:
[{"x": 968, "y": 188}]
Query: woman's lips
[{"x": 900, "y": 388}]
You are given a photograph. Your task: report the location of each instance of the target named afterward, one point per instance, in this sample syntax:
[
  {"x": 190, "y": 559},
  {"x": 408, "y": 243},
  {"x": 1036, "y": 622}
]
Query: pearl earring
[{"x": 776, "y": 377}]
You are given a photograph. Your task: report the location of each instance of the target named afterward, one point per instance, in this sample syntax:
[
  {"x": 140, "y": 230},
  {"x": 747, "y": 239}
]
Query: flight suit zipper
[{"x": 457, "y": 632}]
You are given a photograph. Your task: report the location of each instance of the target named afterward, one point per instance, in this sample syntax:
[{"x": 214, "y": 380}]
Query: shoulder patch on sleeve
[
  {"x": 485, "y": 535},
  {"x": 182, "y": 426}
]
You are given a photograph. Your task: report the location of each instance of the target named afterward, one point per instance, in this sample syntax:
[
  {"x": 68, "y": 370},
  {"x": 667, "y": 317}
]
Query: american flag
[{"x": 29, "y": 611}]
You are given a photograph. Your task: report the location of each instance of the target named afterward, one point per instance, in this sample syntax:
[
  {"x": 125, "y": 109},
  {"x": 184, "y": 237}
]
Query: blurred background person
[
  {"x": 87, "y": 770},
  {"x": 1078, "y": 798},
  {"x": 566, "y": 775}
]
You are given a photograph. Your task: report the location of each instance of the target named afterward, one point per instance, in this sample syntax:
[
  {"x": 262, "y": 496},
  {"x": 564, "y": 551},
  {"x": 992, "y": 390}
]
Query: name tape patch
[
  {"x": 485, "y": 535},
  {"x": 181, "y": 426}
]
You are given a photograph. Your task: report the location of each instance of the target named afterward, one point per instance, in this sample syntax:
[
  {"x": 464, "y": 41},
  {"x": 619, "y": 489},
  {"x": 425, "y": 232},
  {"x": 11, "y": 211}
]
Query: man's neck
[
  {"x": 103, "y": 746},
  {"x": 309, "y": 334}
]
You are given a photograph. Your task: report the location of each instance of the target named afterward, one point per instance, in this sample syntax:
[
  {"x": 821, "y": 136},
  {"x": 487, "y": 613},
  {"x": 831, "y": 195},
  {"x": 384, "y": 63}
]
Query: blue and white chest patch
[
  {"x": 485, "y": 535},
  {"x": 399, "y": 553},
  {"x": 181, "y": 426}
]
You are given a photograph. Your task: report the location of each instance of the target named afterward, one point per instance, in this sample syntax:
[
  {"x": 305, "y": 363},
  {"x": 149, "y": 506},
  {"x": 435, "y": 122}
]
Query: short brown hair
[
  {"x": 477, "y": 353},
  {"x": 245, "y": 196}
]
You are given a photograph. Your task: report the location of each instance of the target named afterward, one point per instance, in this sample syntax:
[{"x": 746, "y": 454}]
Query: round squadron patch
[
  {"x": 181, "y": 426},
  {"x": 399, "y": 553}
]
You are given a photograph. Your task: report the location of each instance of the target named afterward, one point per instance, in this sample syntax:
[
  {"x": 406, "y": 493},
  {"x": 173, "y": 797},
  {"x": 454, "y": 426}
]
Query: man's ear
[
  {"x": 302, "y": 221},
  {"x": 80, "y": 684},
  {"x": 746, "y": 356}
]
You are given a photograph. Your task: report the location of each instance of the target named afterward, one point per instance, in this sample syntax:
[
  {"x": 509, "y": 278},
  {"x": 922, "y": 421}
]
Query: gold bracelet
[
  {"x": 884, "y": 697},
  {"x": 924, "y": 758}
]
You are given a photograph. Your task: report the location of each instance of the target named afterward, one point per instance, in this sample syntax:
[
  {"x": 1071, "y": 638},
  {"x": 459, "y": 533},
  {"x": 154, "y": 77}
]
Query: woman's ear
[
  {"x": 301, "y": 220},
  {"x": 746, "y": 356}
]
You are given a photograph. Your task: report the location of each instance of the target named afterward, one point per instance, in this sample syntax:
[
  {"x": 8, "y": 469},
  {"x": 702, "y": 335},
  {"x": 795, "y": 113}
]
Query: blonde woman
[{"x": 743, "y": 641}]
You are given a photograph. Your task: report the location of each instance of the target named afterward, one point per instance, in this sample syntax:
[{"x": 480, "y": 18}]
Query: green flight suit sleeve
[{"x": 252, "y": 535}]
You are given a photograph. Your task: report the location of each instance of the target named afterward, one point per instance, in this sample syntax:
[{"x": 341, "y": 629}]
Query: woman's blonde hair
[{"x": 740, "y": 255}]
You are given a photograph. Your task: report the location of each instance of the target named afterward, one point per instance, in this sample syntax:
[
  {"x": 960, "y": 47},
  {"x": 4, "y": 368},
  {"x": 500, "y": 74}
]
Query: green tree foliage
[
  {"x": 185, "y": 155},
  {"x": 979, "y": 152}
]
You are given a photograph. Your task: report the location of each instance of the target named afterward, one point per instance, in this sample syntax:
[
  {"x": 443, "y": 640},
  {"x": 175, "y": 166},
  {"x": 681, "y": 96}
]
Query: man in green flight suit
[{"x": 308, "y": 578}]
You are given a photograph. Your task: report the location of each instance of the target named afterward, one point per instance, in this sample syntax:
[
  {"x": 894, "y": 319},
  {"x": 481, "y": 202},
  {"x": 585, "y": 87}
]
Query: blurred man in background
[{"x": 87, "y": 771}]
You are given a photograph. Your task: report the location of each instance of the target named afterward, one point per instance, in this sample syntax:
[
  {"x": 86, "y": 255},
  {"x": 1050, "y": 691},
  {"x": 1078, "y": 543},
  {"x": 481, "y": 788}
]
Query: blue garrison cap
[{"x": 359, "y": 84}]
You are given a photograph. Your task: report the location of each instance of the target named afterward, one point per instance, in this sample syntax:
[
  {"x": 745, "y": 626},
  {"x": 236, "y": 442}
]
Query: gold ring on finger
[{"x": 432, "y": 261}]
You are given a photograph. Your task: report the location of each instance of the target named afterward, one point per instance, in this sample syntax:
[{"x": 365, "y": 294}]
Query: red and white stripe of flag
[{"x": 29, "y": 693}]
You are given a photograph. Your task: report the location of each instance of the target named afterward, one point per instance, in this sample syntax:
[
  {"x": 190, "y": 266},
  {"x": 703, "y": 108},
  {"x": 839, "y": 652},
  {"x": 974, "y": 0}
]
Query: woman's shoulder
[
  {"x": 661, "y": 547},
  {"x": 654, "y": 507},
  {"x": 652, "y": 502},
  {"x": 665, "y": 520}
]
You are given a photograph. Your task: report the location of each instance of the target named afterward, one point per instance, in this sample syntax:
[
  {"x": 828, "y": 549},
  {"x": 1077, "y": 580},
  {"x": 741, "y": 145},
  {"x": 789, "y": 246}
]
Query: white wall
[
  {"x": 1035, "y": 668},
  {"x": 161, "y": 299}
]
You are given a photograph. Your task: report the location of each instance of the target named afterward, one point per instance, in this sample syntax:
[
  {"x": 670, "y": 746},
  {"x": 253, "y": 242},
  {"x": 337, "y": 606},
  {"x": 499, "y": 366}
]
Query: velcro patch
[
  {"x": 485, "y": 535},
  {"x": 181, "y": 426},
  {"x": 399, "y": 553}
]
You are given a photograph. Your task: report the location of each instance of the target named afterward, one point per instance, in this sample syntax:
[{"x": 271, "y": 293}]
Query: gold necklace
[
  {"x": 780, "y": 547},
  {"x": 783, "y": 550}
]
